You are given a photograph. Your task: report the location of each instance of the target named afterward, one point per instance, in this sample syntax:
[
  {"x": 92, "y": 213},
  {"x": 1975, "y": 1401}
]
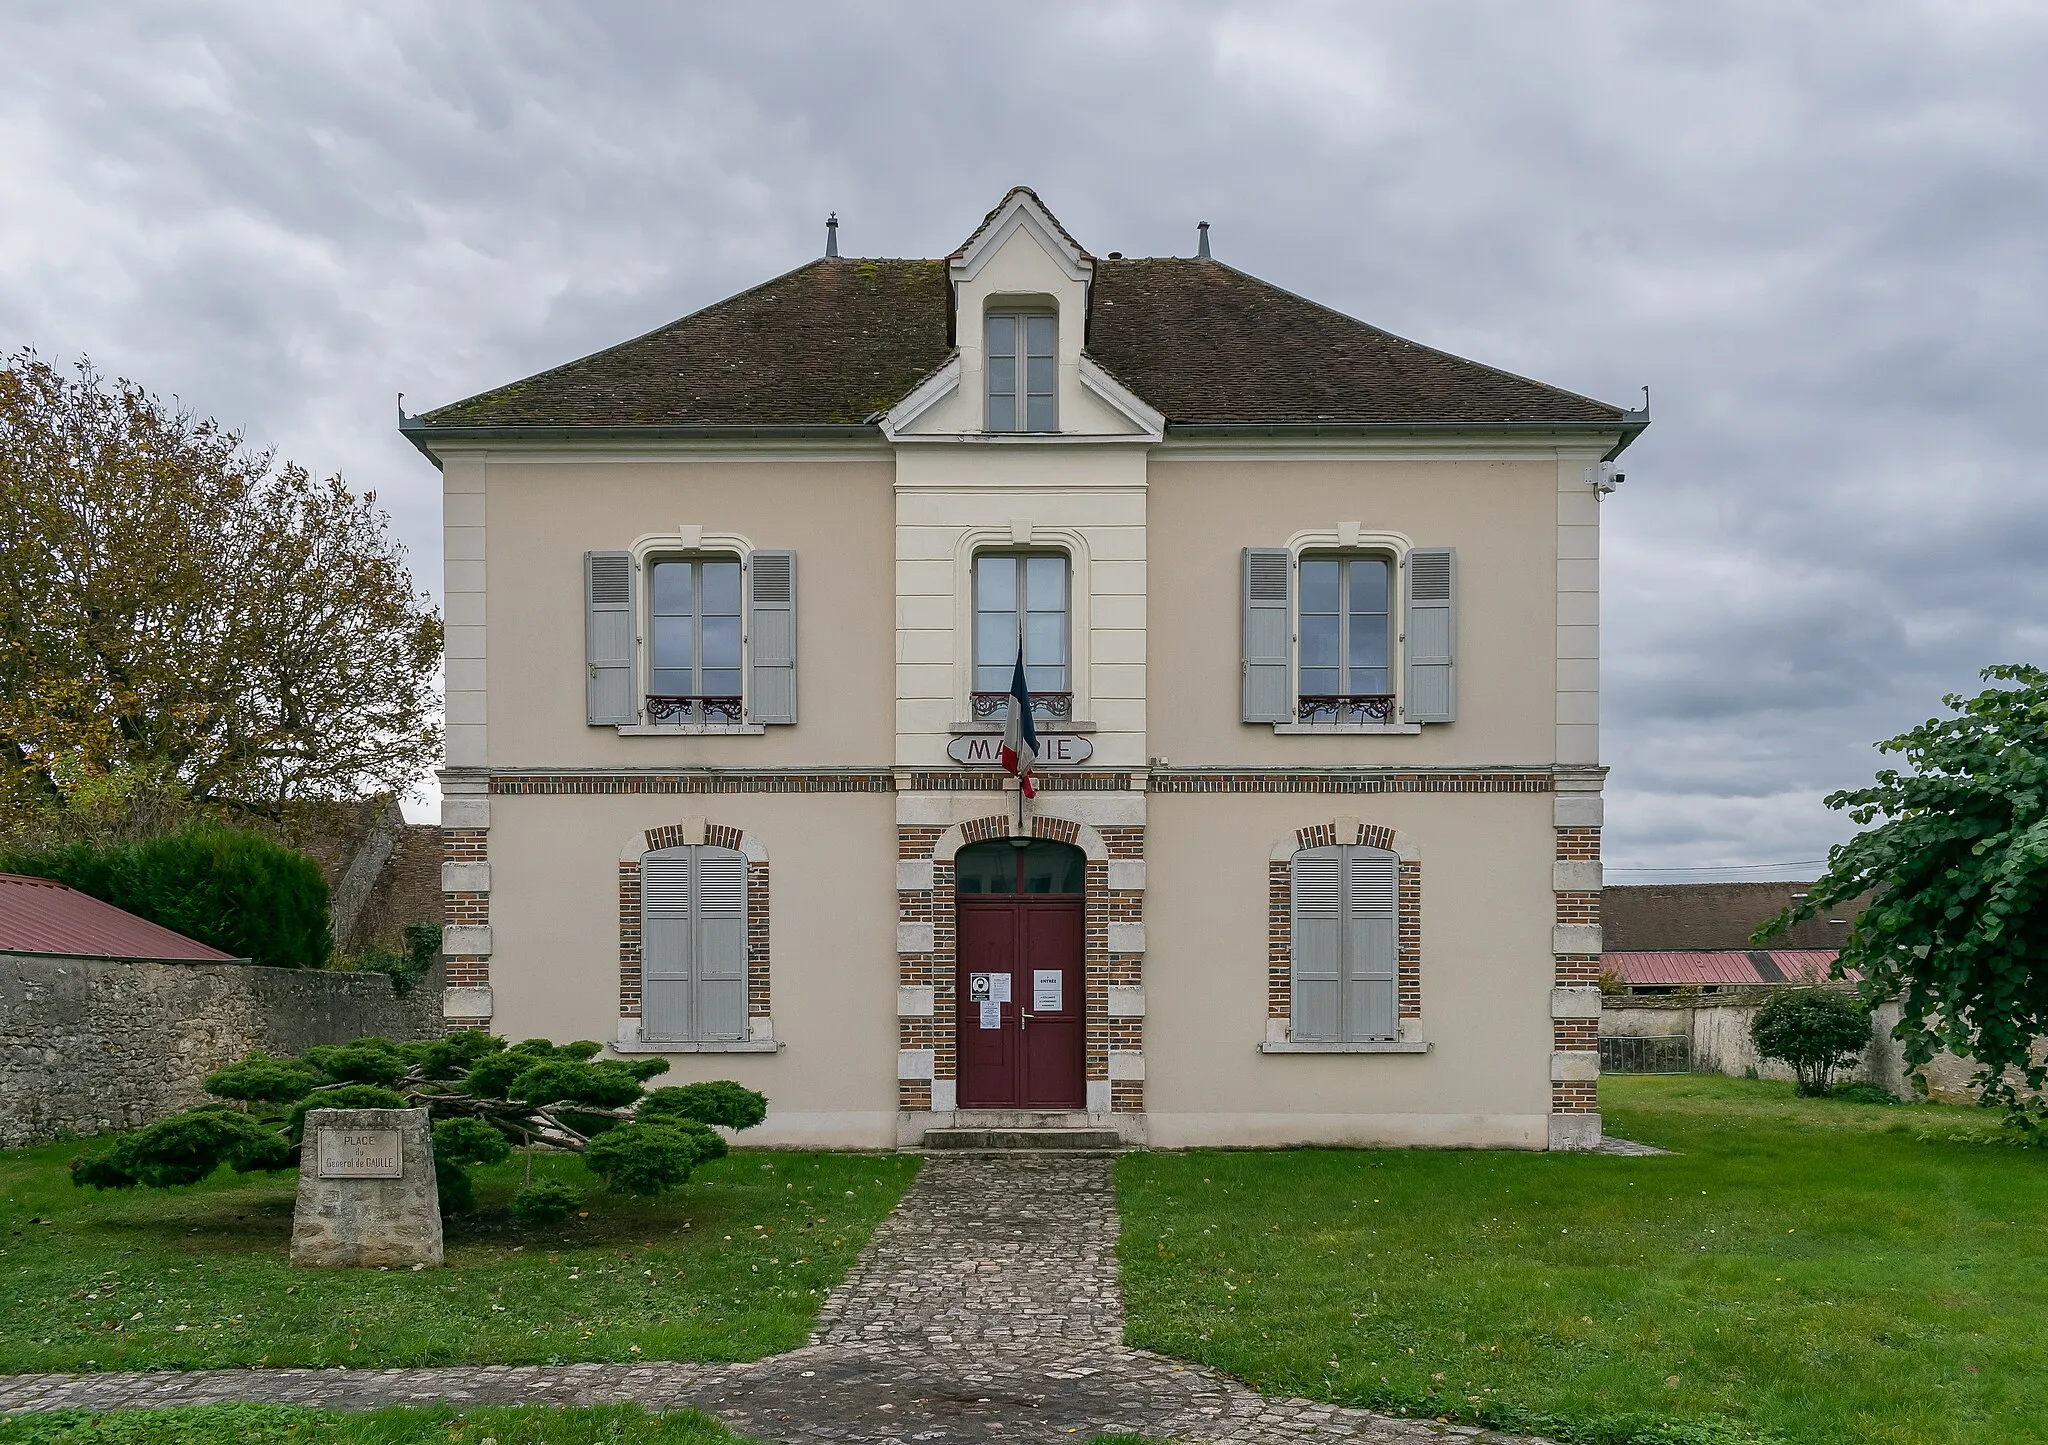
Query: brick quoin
[
  {"x": 1576, "y": 970},
  {"x": 466, "y": 845}
]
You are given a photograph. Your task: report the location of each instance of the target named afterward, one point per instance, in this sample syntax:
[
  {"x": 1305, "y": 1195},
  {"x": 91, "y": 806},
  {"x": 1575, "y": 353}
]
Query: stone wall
[
  {"x": 1719, "y": 1027},
  {"x": 88, "y": 1046}
]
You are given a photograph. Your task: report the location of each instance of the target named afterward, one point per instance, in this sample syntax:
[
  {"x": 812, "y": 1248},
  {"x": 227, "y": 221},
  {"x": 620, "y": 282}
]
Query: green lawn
[
  {"x": 1808, "y": 1270},
  {"x": 289, "y": 1425},
  {"x": 732, "y": 1266}
]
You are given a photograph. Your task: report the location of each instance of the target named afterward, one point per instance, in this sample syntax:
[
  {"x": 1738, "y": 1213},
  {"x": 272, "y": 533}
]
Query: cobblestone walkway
[{"x": 986, "y": 1308}]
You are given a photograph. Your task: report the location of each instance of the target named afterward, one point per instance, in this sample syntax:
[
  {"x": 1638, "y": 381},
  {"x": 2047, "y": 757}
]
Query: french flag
[{"x": 1020, "y": 738}]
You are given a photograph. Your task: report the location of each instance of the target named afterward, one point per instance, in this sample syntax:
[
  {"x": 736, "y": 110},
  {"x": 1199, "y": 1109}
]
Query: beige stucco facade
[{"x": 851, "y": 817}]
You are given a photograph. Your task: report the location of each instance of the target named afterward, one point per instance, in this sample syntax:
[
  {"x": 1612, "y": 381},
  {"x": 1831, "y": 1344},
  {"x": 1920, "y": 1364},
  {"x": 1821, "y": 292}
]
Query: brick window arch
[
  {"x": 1339, "y": 848},
  {"x": 695, "y": 833}
]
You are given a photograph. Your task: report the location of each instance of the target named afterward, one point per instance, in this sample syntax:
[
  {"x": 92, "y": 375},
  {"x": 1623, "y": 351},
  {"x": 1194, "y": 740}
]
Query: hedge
[{"x": 236, "y": 890}]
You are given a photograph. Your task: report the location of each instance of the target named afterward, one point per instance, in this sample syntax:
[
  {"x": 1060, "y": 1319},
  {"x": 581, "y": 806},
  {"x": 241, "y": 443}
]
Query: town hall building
[{"x": 1309, "y": 616}]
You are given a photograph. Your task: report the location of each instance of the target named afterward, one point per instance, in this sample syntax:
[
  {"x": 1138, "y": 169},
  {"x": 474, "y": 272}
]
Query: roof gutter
[
  {"x": 1630, "y": 424},
  {"x": 426, "y": 438},
  {"x": 42, "y": 956}
]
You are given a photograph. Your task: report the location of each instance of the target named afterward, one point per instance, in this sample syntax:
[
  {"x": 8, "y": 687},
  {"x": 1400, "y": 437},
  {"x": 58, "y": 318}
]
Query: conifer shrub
[
  {"x": 484, "y": 1097},
  {"x": 233, "y": 889}
]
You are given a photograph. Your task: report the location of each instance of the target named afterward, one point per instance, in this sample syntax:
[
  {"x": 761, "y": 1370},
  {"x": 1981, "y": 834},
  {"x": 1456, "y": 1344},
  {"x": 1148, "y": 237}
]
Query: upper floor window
[
  {"x": 693, "y": 651},
  {"x": 1346, "y": 638},
  {"x": 1021, "y": 371},
  {"x": 710, "y": 638},
  {"x": 1021, "y": 596}
]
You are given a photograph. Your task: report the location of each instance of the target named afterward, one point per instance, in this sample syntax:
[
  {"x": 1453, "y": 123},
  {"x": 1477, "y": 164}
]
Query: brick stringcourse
[
  {"x": 1161, "y": 780},
  {"x": 1349, "y": 781},
  {"x": 597, "y": 784},
  {"x": 716, "y": 835},
  {"x": 1101, "y": 969},
  {"x": 1280, "y": 921}
]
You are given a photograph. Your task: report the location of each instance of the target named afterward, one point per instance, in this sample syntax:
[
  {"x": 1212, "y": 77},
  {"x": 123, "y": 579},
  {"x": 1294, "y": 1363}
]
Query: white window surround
[
  {"x": 1351, "y": 538},
  {"x": 1025, "y": 535},
  {"x": 1020, "y": 311},
  {"x": 688, "y": 541}
]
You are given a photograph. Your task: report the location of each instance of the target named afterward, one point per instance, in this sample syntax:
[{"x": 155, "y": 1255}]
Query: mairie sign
[{"x": 985, "y": 750}]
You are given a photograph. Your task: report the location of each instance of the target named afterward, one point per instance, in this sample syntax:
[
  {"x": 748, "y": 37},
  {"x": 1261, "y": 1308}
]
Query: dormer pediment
[{"x": 1020, "y": 211}]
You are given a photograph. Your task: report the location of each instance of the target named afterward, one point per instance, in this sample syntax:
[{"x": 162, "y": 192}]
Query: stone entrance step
[{"x": 1011, "y": 1138}]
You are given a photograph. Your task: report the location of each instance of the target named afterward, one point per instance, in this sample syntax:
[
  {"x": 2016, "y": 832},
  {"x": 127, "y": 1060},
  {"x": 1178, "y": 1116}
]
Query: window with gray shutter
[
  {"x": 1266, "y": 582},
  {"x": 1430, "y": 625},
  {"x": 1345, "y": 941},
  {"x": 772, "y": 637},
  {"x": 608, "y": 641},
  {"x": 693, "y": 944}
]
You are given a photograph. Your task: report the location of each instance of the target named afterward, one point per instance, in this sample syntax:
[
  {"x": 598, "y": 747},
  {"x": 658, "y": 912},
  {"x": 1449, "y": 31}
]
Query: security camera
[{"x": 1604, "y": 478}]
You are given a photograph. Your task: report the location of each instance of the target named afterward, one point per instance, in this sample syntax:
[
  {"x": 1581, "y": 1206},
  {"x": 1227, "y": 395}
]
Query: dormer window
[{"x": 1021, "y": 348}]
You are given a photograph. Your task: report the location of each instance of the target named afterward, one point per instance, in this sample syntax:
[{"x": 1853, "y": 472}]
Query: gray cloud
[{"x": 1815, "y": 230}]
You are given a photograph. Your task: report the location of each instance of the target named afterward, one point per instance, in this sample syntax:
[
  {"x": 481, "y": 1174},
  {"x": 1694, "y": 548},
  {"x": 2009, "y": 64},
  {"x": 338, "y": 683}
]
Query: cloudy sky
[{"x": 1817, "y": 232}]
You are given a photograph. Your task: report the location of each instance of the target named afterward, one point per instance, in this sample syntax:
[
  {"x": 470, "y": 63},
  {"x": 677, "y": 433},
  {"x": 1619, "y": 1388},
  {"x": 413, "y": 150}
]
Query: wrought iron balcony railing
[
  {"x": 1346, "y": 707},
  {"x": 1045, "y": 706},
  {"x": 694, "y": 708}
]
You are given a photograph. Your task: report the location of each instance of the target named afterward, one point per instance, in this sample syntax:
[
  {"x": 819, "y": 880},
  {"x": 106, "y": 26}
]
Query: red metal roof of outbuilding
[
  {"x": 38, "y": 915},
  {"x": 1747, "y": 968}
]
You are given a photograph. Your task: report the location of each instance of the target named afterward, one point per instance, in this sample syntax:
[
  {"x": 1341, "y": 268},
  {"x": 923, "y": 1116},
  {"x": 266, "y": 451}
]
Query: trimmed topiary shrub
[
  {"x": 1815, "y": 1030},
  {"x": 546, "y": 1202},
  {"x": 716, "y": 1101},
  {"x": 235, "y": 890},
  {"x": 484, "y": 1098}
]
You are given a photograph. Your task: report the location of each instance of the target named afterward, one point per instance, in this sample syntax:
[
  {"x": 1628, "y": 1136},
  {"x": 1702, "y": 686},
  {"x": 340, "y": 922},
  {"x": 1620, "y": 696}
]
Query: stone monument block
[{"x": 367, "y": 1195}]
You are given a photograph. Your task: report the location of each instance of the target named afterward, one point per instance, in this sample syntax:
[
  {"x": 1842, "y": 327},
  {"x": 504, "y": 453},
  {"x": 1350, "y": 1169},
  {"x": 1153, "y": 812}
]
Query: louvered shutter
[
  {"x": 1370, "y": 879},
  {"x": 1267, "y": 581},
  {"x": 666, "y": 944},
  {"x": 772, "y": 636},
  {"x": 721, "y": 992},
  {"x": 1318, "y": 945},
  {"x": 1431, "y": 628},
  {"x": 608, "y": 637}
]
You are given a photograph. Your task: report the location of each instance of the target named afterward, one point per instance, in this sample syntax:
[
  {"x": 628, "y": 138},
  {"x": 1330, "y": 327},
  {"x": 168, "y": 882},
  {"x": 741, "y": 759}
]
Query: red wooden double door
[{"x": 1021, "y": 1020}]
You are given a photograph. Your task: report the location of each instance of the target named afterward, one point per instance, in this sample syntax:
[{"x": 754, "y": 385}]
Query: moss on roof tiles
[
  {"x": 829, "y": 343},
  {"x": 1206, "y": 343},
  {"x": 838, "y": 340}
]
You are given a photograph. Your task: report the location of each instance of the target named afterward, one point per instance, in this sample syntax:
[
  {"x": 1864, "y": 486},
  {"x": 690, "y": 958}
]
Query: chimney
[
  {"x": 832, "y": 235},
  {"x": 1202, "y": 248}
]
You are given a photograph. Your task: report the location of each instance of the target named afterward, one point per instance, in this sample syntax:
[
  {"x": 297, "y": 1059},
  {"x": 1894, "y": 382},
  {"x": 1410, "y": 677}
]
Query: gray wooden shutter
[
  {"x": 1267, "y": 585},
  {"x": 666, "y": 944},
  {"x": 1371, "y": 877},
  {"x": 721, "y": 992},
  {"x": 1318, "y": 941},
  {"x": 608, "y": 649},
  {"x": 772, "y": 636},
  {"x": 1430, "y": 625}
]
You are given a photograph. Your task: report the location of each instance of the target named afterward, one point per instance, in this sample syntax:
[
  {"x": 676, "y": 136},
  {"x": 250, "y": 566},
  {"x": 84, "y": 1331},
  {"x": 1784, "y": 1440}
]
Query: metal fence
[{"x": 1646, "y": 1054}]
